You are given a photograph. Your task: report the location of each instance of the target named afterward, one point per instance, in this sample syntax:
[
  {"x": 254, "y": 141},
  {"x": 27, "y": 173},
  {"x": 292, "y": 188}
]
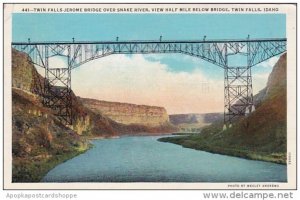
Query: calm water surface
[{"x": 144, "y": 159}]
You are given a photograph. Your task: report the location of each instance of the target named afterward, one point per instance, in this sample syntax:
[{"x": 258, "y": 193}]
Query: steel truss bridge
[{"x": 238, "y": 96}]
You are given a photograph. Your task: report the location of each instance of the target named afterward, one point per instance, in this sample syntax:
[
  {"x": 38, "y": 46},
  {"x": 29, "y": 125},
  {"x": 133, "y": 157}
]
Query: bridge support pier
[
  {"x": 238, "y": 99},
  {"x": 57, "y": 91}
]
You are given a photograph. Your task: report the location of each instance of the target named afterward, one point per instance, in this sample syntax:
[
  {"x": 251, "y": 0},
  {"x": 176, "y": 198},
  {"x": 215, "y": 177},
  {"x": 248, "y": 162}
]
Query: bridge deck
[{"x": 150, "y": 41}]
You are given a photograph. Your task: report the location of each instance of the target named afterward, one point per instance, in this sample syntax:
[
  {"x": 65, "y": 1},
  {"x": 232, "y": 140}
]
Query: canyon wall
[
  {"x": 205, "y": 118},
  {"x": 126, "y": 113},
  {"x": 194, "y": 122}
]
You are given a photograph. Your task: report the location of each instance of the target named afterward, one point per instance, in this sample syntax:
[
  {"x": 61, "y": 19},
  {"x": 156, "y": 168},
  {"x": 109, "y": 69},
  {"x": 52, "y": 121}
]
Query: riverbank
[
  {"x": 34, "y": 169},
  {"x": 199, "y": 142},
  {"x": 184, "y": 134}
]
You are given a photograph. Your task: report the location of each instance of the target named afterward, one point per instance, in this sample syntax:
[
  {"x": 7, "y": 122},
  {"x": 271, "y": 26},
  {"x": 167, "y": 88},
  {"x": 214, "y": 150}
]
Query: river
[{"x": 144, "y": 159}]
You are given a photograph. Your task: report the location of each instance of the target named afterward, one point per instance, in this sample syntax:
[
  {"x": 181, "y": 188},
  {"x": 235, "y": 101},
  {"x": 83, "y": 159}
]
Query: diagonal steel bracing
[{"x": 238, "y": 97}]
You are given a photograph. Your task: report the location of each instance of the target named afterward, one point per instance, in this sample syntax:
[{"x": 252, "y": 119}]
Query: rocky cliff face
[
  {"x": 276, "y": 81},
  {"x": 277, "y": 78},
  {"x": 39, "y": 139},
  {"x": 126, "y": 113},
  {"x": 24, "y": 75}
]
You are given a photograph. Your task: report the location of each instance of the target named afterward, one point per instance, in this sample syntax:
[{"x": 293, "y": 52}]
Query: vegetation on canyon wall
[{"x": 262, "y": 135}]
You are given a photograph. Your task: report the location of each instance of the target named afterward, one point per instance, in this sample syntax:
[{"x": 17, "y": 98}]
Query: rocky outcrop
[
  {"x": 39, "y": 139},
  {"x": 24, "y": 74},
  {"x": 276, "y": 81},
  {"x": 277, "y": 78},
  {"x": 126, "y": 113}
]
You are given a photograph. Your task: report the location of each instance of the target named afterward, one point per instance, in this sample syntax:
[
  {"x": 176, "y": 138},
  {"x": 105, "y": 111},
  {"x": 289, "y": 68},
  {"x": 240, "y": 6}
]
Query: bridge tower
[
  {"x": 57, "y": 87},
  {"x": 238, "y": 92}
]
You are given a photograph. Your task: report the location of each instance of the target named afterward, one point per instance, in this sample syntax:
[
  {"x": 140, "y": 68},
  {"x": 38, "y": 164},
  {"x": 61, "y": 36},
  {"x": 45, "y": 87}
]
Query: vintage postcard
[{"x": 150, "y": 96}]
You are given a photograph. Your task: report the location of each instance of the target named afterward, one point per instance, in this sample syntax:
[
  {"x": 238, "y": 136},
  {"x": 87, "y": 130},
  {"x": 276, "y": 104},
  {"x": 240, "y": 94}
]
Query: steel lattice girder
[{"x": 211, "y": 50}]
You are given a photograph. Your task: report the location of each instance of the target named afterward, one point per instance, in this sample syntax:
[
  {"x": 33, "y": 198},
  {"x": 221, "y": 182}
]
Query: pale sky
[{"x": 180, "y": 83}]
